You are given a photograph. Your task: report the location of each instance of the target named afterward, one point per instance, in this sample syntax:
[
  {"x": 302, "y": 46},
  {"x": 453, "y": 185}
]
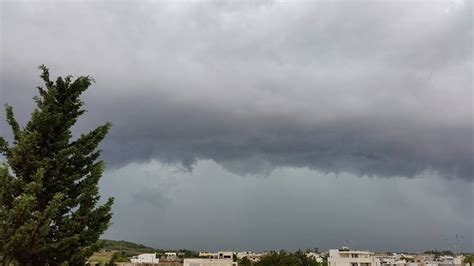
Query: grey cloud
[
  {"x": 151, "y": 197},
  {"x": 212, "y": 209},
  {"x": 382, "y": 89}
]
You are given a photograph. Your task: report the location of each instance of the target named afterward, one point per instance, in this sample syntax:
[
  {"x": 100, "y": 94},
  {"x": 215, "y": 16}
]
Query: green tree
[
  {"x": 304, "y": 260},
  {"x": 49, "y": 199},
  {"x": 278, "y": 258},
  {"x": 286, "y": 258},
  {"x": 244, "y": 262},
  {"x": 118, "y": 257},
  {"x": 469, "y": 259}
]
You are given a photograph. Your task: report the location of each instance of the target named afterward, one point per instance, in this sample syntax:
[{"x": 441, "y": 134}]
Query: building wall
[
  {"x": 225, "y": 255},
  {"x": 351, "y": 258},
  {"x": 145, "y": 258},
  {"x": 149, "y": 264},
  {"x": 209, "y": 262}
]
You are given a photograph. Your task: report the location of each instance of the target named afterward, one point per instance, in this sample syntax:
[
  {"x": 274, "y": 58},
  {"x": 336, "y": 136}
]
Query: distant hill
[
  {"x": 127, "y": 247},
  {"x": 131, "y": 249}
]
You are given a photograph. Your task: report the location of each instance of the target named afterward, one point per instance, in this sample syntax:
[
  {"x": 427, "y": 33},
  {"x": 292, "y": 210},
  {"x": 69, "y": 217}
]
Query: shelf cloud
[{"x": 377, "y": 89}]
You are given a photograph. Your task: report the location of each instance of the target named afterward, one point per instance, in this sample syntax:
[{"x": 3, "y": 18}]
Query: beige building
[
  {"x": 347, "y": 257},
  {"x": 217, "y": 255},
  {"x": 209, "y": 262},
  {"x": 253, "y": 257}
]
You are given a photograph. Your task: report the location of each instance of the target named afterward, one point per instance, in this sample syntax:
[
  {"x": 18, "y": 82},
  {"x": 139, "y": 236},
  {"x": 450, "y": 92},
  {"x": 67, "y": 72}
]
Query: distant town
[{"x": 125, "y": 253}]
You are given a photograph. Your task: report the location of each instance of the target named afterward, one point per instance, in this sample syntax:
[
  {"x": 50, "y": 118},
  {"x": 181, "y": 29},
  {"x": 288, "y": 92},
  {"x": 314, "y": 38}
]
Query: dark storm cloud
[
  {"x": 212, "y": 209},
  {"x": 371, "y": 88}
]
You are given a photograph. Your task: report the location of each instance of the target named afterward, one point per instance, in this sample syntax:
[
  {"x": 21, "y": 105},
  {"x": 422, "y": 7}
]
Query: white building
[
  {"x": 225, "y": 255},
  {"x": 346, "y": 257},
  {"x": 145, "y": 258},
  {"x": 254, "y": 257},
  {"x": 205, "y": 254},
  {"x": 392, "y": 260},
  {"x": 315, "y": 256},
  {"x": 458, "y": 260},
  {"x": 217, "y": 255},
  {"x": 242, "y": 254},
  {"x": 209, "y": 262},
  {"x": 171, "y": 255}
]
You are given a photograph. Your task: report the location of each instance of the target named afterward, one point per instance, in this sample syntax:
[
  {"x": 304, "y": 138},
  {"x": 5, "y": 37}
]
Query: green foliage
[
  {"x": 118, "y": 257},
  {"x": 439, "y": 253},
  {"x": 184, "y": 253},
  {"x": 131, "y": 249},
  {"x": 128, "y": 247},
  {"x": 287, "y": 258},
  {"x": 244, "y": 262},
  {"x": 469, "y": 259},
  {"x": 100, "y": 256},
  {"x": 49, "y": 211}
]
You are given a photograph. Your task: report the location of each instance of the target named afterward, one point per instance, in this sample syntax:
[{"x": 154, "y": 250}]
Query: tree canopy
[
  {"x": 283, "y": 257},
  {"x": 50, "y": 212}
]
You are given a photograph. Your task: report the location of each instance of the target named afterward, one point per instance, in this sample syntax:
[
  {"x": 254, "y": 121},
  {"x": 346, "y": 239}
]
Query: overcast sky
[{"x": 266, "y": 125}]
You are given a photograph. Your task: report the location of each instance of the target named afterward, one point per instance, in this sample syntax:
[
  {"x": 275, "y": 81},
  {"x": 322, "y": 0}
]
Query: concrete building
[
  {"x": 225, "y": 255},
  {"x": 253, "y": 257},
  {"x": 458, "y": 260},
  {"x": 209, "y": 262},
  {"x": 171, "y": 255},
  {"x": 217, "y": 255},
  {"x": 205, "y": 254},
  {"x": 392, "y": 260},
  {"x": 346, "y": 257},
  {"x": 242, "y": 254},
  {"x": 145, "y": 258},
  {"x": 315, "y": 256}
]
